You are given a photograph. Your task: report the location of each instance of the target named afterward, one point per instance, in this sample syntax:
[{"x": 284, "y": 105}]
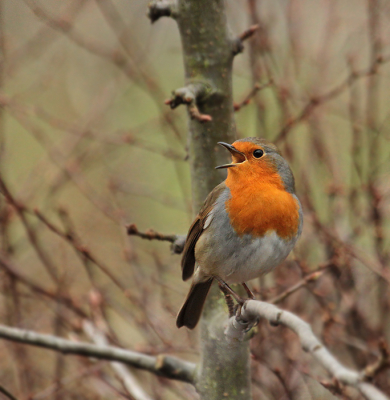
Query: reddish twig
[
  {"x": 307, "y": 279},
  {"x": 150, "y": 234},
  {"x": 251, "y": 94},
  {"x": 249, "y": 32},
  {"x": 52, "y": 294},
  {"x": 31, "y": 234},
  {"x": 71, "y": 238},
  {"x": 315, "y": 101},
  {"x": 238, "y": 46}
]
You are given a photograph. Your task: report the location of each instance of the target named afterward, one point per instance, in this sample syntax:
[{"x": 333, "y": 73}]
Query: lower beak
[
  {"x": 236, "y": 153},
  {"x": 225, "y": 166}
]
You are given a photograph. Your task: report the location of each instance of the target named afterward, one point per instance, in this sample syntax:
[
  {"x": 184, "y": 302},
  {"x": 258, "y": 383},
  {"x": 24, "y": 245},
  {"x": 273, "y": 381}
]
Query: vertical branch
[
  {"x": 208, "y": 58},
  {"x": 372, "y": 121},
  {"x": 9, "y": 286},
  {"x": 372, "y": 114},
  {"x": 19, "y": 352},
  {"x": 259, "y": 47},
  {"x": 3, "y": 206}
]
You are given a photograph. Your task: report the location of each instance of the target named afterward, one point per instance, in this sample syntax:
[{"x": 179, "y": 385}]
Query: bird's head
[{"x": 255, "y": 158}]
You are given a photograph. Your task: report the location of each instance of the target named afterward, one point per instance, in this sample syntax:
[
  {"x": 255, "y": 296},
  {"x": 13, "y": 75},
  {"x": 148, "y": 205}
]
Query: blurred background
[{"x": 88, "y": 147}]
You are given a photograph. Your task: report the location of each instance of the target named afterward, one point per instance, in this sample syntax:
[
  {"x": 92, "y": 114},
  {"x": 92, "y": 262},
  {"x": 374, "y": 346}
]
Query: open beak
[{"x": 238, "y": 157}]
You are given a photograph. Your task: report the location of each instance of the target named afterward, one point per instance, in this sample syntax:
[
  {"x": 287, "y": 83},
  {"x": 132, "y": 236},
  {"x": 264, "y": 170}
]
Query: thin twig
[
  {"x": 7, "y": 393},
  {"x": 307, "y": 279},
  {"x": 176, "y": 240},
  {"x": 249, "y": 32},
  {"x": 71, "y": 238},
  {"x": 68, "y": 301},
  {"x": 31, "y": 234},
  {"x": 316, "y": 101},
  {"x": 238, "y": 45},
  {"x": 251, "y": 94}
]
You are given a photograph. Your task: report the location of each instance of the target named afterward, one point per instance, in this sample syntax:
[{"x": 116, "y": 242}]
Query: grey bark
[{"x": 208, "y": 52}]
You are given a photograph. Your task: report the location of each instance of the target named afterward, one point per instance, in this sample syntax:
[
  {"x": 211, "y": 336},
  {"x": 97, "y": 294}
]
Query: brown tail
[{"x": 190, "y": 312}]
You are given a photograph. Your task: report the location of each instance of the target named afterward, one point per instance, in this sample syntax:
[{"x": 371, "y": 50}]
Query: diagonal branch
[
  {"x": 30, "y": 231},
  {"x": 238, "y": 44},
  {"x": 253, "y": 310},
  {"x": 162, "y": 365},
  {"x": 80, "y": 249},
  {"x": 303, "y": 282},
  {"x": 6, "y": 393},
  {"x": 251, "y": 94}
]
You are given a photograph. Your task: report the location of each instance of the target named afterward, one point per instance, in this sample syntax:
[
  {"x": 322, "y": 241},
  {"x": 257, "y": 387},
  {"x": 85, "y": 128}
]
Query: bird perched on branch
[{"x": 247, "y": 226}]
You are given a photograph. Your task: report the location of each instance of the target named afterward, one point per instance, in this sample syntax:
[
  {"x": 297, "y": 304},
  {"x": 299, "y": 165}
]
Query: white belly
[{"x": 240, "y": 259}]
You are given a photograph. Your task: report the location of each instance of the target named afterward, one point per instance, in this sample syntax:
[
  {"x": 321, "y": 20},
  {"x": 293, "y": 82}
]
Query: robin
[{"x": 247, "y": 226}]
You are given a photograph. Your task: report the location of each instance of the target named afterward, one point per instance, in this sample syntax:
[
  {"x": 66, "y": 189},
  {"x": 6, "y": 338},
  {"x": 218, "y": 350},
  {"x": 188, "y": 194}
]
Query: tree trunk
[{"x": 209, "y": 49}]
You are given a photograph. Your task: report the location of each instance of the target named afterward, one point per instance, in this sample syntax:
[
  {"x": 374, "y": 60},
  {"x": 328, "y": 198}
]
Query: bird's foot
[
  {"x": 225, "y": 288},
  {"x": 248, "y": 291},
  {"x": 228, "y": 300}
]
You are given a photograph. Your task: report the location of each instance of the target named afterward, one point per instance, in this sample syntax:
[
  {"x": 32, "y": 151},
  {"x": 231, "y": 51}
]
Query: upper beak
[{"x": 235, "y": 153}]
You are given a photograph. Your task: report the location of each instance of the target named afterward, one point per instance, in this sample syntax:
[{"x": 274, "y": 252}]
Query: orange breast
[{"x": 259, "y": 204}]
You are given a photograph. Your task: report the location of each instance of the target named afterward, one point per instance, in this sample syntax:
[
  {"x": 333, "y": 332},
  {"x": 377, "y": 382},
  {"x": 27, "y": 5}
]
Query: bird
[{"x": 246, "y": 227}]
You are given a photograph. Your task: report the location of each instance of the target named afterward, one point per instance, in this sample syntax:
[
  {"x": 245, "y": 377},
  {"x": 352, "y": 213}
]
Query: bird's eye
[{"x": 258, "y": 153}]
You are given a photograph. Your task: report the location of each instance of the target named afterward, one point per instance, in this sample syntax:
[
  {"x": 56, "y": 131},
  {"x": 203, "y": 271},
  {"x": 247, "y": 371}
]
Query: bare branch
[
  {"x": 116, "y": 56},
  {"x": 7, "y": 393},
  {"x": 81, "y": 250},
  {"x": 191, "y": 95},
  {"x": 162, "y": 8},
  {"x": 66, "y": 300},
  {"x": 253, "y": 310},
  {"x": 176, "y": 240},
  {"x": 314, "y": 102},
  {"x": 307, "y": 279},
  {"x": 162, "y": 365},
  {"x": 31, "y": 233}
]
